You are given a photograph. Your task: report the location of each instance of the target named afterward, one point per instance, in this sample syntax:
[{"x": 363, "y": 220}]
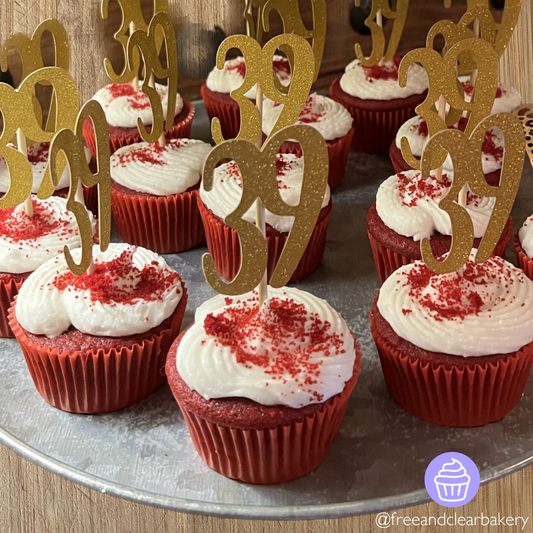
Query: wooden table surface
[{"x": 33, "y": 500}]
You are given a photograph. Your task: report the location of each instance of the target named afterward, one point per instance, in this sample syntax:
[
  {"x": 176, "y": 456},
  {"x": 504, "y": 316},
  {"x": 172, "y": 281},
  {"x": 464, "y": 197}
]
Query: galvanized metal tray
[{"x": 377, "y": 462}]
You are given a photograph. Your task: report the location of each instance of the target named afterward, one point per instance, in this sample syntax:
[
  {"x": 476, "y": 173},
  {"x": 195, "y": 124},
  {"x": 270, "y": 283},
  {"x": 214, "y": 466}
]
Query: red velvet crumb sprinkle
[
  {"x": 281, "y": 339},
  {"x": 387, "y": 71},
  {"x": 415, "y": 189},
  {"x": 120, "y": 281},
  {"x": 307, "y": 116},
  {"x": 137, "y": 99}
]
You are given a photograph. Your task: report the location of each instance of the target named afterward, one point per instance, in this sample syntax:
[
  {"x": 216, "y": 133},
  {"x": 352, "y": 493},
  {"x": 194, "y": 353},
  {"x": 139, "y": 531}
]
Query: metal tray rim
[{"x": 259, "y": 512}]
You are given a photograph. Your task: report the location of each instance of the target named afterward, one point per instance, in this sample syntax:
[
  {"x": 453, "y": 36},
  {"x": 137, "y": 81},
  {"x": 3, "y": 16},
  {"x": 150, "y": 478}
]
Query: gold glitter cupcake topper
[
  {"x": 382, "y": 8},
  {"x": 466, "y": 154},
  {"x": 147, "y": 44},
  {"x": 259, "y": 182},
  {"x": 498, "y": 34},
  {"x": 443, "y": 83},
  {"x": 29, "y": 50},
  {"x": 71, "y": 145},
  {"x": 259, "y": 71},
  {"x": 16, "y": 107},
  {"x": 132, "y": 17}
]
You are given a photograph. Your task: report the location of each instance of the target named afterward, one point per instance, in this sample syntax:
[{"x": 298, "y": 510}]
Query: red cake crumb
[
  {"x": 238, "y": 66},
  {"x": 422, "y": 128},
  {"x": 383, "y": 72},
  {"x": 412, "y": 190},
  {"x": 282, "y": 66},
  {"x": 292, "y": 335},
  {"x": 307, "y": 116},
  {"x": 453, "y": 296},
  {"x": 16, "y": 226},
  {"x": 489, "y": 147},
  {"x": 137, "y": 99},
  {"x": 120, "y": 281}
]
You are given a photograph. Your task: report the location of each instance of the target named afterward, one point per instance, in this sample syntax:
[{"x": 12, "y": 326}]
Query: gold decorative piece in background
[
  {"x": 466, "y": 154},
  {"x": 131, "y": 14},
  {"x": 29, "y": 50},
  {"x": 443, "y": 81},
  {"x": 71, "y": 144},
  {"x": 259, "y": 181},
  {"x": 259, "y": 71},
  {"x": 16, "y": 107},
  {"x": 382, "y": 8}
]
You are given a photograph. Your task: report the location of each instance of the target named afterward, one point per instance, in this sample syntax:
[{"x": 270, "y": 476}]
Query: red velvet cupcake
[
  {"x": 154, "y": 194},
  {"x": 264, "y": 392},
  {"x": 123, "y": 105},
  {"x": 407, "y": 210},
  {"x": 377, "y": 103},
  {"x": 223, "y": 199},
  {"x": 220, "y": 83},
  {"x": 26, "y": 243},
  {"x": 523, "y": 246},
  {"x": 456, "y": 349},
  {"x": 333, "y": 122},
  {"x": 98, "y": 342}
]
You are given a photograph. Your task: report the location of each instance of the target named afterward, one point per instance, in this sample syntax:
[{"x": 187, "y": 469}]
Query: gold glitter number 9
[
  {"x": 71, "y": 144},
  {"x": 466, "y": 155},
  {"x": 259, "y": 70},
  {"x": 378, "y": 37},
  {"x": 443, "y": 81},
  {"x": 17, "y": 111},
  {"x": 259, "y": 181}
]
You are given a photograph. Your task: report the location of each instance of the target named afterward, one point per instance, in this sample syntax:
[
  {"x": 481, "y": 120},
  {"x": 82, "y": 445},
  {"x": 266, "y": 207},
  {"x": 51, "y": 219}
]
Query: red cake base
[{"x": 446, "y": 389}]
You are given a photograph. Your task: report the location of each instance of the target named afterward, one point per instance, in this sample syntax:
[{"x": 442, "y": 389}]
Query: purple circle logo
[{"x": 452, "y": 479}]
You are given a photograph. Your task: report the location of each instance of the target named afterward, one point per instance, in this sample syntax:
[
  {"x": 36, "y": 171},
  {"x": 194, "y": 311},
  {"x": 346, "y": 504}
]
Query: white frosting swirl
[
  {"x": 38, "y": 156},
  {"x": 44, "y": 309},
  {"x": 25, "y": 255},
  {"x": 357, "y": 81},
  {"x": 319, "y": 371},
  {"x": 157, "y": 170},
  {"x": 231, "y": 77},
  {"x": 123, "y": 106},
  {"x": 479, "y": 310},
  {"x": 226, "y": 193},
  {"x": 490, "y": 160},
  {"x": 330, "y": 118},
  {"x": 410, "y": 206},
  {"x": 525, "y": 236}
]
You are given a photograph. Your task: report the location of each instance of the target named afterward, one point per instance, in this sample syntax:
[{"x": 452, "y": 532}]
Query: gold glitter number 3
[
  {"x": 466, "y": 155},
  {"x": 259, "y": 181},
  {"x": 259, "y": 70}
]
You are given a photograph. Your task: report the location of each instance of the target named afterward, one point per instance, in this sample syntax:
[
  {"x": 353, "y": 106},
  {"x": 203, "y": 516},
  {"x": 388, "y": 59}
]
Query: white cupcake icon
[{"x": 452, "y": 482}]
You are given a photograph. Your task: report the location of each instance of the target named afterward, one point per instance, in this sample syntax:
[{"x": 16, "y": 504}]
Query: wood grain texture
[
  {"x": 516, "y": 63},
  {"x": 33, "y": 500}
]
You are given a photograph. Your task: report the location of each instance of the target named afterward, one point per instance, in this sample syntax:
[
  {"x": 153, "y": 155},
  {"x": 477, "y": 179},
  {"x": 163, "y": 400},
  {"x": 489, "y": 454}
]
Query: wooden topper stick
[
  {"x": 379, "y": 21},
  {"x": 23, "y": 149},
  {"x": 259, "y": 207},
  {"x": 136, "y": 77}
]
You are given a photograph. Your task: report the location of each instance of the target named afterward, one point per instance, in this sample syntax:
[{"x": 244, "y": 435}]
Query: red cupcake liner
[
  {"x": 266, "y": 455},
  {"x": 228, "y": 112},
  {"x": 466, "y": 396},
  {"x": 180, "y": 130},
  {"x": 223, "y": 244},
  {"x": 338, "y": 150},
  {"x": 400, "y": 165},
  {"x": 101, "y": 381},
  {"x": 524, "y": 261},
  {"x": 164, "y": 224},
  {"x": 387, "y": 261},
  {"x": 8, "y": 292},
  {"x": 376, "y": 122}
]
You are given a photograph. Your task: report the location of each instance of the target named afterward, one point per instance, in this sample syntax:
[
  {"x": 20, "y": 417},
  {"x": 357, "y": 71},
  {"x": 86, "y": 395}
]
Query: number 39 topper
[
  {"x": 259, "y": 182},
  {"x": 466, "y": 154}
]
